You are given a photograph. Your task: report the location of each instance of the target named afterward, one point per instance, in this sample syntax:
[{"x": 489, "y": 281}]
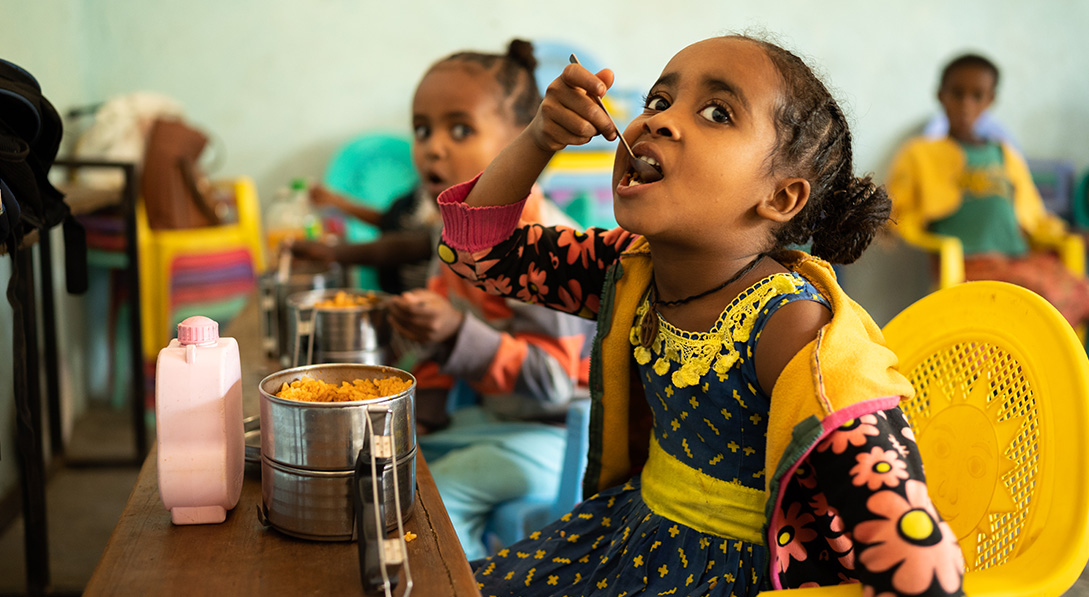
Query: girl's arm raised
[{"x": 567, "y": 116}]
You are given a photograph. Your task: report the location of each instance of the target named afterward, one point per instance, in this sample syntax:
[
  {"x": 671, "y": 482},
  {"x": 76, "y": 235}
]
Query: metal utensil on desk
[
  {"x": 378, "y": 557},
  {"x": 283, "y": 270},
  {"x": 646, "y": 172}
]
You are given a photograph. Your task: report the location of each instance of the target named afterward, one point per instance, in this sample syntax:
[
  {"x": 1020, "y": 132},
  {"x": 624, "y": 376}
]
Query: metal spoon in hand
[{"x": 644, "y": 171}]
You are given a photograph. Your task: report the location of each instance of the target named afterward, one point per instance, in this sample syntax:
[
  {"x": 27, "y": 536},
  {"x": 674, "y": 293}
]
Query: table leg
[
  {"x": 28, "y": 420},
  {"x": 49, "y": 345}
]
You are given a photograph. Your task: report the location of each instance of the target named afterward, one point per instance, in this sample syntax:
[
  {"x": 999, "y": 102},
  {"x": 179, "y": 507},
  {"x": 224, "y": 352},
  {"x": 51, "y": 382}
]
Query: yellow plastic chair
[
  {"x": 1068, "y": 246},
  {"x": 160, "y": 248},
  {"x": 950, "y": 252},
  {"x": 1000, "y": 414}
]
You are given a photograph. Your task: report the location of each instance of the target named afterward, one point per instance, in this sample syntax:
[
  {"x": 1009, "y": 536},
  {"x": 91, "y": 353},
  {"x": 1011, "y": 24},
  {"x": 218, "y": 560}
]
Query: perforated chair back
[{"x": 1000, "y": 410}]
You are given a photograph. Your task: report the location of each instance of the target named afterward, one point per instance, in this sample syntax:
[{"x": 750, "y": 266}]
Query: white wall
[{"x": 282, "y": 83}]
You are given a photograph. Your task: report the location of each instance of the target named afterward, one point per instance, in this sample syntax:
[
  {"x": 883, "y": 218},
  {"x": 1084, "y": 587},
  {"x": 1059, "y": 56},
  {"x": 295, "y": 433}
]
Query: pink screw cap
[{"x": 198, "y": 330}]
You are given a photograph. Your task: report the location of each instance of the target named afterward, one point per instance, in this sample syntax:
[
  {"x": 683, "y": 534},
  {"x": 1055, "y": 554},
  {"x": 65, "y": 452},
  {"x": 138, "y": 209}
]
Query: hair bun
[
  {"x": 859, "y": 190},
  {"x": 521, "y": 52},
  {"x": 852, "y": 219}
]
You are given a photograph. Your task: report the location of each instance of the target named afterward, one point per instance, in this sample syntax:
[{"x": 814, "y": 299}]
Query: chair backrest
[
  {"x": 1079, "y": 208},
  {"x": 210, "y": 268},
  {"x": 580, "y": 181},
  {"x": 1000, "y": 410},
  {"x": 574, "y": 456},
  {"x": 1054, "y": 180},
  {"x": 374, "y": 169}
]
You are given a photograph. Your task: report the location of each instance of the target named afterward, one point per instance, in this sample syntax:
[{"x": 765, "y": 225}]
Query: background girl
[{"x": 518, "y": 363}]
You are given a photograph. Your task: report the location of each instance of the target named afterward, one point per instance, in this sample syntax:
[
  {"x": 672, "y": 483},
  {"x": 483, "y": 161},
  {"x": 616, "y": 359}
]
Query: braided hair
[
  {"x": 813, "y": 141},
  {"x": 514, "y": 71}
]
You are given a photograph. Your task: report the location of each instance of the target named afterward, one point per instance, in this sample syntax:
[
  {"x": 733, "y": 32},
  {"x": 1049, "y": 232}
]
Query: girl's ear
[{"x": 788, "y": 200}]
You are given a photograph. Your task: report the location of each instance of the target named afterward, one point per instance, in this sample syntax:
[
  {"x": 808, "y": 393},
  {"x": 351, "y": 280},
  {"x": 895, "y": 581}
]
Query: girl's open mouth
[{"x": 643, "y": 175}]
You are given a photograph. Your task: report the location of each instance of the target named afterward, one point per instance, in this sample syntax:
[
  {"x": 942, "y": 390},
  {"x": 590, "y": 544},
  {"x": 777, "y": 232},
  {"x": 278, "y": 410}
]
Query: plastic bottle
[
  {"x": 198, "y": 423},
  {"x": 291, "y": 216}
]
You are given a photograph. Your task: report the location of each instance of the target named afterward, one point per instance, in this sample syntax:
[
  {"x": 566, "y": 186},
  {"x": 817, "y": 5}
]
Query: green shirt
[{"x": 986, "y": 221}]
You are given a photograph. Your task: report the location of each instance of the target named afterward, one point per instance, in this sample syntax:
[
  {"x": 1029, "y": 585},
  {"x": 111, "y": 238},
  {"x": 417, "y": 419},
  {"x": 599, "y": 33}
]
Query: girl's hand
[
  {"x": 323, "y": 197},
  {"x": 425, "y": 316},
  {"x": 569, "y": 115},
  {"x": 313, "y": 251}
]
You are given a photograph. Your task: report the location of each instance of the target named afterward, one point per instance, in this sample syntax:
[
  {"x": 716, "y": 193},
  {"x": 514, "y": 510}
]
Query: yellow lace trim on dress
[{"x": 699, "y": 352}]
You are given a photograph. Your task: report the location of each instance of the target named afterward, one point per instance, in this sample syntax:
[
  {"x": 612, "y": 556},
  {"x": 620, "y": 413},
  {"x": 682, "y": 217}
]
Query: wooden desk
[{"x": 147, "y": 555}]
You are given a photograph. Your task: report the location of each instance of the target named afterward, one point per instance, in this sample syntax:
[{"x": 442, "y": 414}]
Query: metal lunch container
[
  {"x": 353, "y": 334},
  {"x": 318, "y": 505},
  {"x": 309, "y": 453},
  {"x": 273, "y": 293}
]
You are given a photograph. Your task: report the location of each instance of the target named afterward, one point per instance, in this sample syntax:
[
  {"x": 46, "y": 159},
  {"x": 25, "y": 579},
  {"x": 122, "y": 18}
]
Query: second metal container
[
  {"x": 274, "y": 292},
  {"x": 353, "y": 334}
]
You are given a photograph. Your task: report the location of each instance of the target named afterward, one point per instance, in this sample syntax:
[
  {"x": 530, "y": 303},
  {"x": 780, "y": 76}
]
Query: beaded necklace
[{"x": 648, "y": 325}]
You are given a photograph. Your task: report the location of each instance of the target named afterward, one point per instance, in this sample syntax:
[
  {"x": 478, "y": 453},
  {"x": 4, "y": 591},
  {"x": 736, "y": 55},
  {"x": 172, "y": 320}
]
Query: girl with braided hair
[
  {"x": 745, "y": 432},
  {"x": 513, "y": 367},
  {"x": 402, "y": 253}
]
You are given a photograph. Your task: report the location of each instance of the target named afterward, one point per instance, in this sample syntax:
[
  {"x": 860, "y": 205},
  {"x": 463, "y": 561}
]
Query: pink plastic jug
[{"x": 198, "y": 423}]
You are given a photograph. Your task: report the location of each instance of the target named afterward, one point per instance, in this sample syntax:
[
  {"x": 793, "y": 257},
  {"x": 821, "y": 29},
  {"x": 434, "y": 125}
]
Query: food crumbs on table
[
  {"x": 308, "y": 389},
  {"x": 409, "y": 536}
]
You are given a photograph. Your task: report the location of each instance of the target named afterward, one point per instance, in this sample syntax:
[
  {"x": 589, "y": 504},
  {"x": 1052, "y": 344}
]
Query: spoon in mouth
[{"x": 643, "y": 170}]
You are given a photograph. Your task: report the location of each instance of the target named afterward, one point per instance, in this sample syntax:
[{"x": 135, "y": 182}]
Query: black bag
[
  {"x": 30, "y": 135},
  {"x": 9, "y": 212}
]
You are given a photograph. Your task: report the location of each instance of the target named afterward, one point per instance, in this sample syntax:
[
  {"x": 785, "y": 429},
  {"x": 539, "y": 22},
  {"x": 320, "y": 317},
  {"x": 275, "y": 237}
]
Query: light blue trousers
[{"x": 479, "y": 463}]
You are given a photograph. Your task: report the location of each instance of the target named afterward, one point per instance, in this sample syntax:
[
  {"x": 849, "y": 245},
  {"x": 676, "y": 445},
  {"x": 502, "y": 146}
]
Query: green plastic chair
[{"x": 373, "y": 169}]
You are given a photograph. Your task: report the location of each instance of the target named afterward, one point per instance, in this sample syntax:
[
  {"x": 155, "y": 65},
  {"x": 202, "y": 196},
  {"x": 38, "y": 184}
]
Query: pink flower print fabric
[{"x": 872, "y": 518}]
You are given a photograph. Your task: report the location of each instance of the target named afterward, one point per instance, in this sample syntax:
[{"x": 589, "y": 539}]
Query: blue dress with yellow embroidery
[{"x": 710, "y": 417}]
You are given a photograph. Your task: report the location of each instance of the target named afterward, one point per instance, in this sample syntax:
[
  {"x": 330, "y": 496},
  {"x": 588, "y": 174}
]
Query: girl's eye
[
  {"x": 716, "y": 114},
  {"x": 422, "y": 131},
  {"x": 656, "y": 103},
  {"x": 460, "y": 131}
]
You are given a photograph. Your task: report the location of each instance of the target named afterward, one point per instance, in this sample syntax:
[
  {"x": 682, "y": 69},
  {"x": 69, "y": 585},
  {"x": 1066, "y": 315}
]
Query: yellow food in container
[
  {"x": 308, "y": 389},
  {"x": 344, "y": 300}
]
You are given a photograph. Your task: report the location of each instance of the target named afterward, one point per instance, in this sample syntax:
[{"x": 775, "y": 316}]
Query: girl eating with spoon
[{"x": 745, "y": 432}]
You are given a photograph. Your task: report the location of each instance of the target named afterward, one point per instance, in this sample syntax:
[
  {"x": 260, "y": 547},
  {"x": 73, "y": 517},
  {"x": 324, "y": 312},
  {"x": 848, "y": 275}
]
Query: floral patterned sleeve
[
  {"x": 858, "y": 509},
  {"x": 558, "y": 267}
]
